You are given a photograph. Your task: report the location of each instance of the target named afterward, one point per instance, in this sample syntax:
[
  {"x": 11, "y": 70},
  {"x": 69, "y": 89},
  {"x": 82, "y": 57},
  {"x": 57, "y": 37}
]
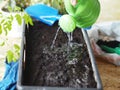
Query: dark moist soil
[
  {"x": 111, "y": 44},
  {"x": 56, "y": 67}
]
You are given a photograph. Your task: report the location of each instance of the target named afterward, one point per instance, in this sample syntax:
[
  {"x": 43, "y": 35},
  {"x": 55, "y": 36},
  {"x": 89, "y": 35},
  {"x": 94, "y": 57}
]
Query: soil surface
[{"x": 61, "y": 66}]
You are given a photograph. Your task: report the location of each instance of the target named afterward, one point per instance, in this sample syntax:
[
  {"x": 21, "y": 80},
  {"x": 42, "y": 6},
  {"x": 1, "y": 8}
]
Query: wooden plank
[{"x": 110, "y": 74}]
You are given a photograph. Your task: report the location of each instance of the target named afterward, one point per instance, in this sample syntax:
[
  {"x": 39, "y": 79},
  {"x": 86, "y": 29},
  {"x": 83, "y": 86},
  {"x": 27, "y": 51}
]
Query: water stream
[
  {"x": 53, "y": 42},
  {"x": 70, "y": 38},
  {"x": 73, "y": 49}
]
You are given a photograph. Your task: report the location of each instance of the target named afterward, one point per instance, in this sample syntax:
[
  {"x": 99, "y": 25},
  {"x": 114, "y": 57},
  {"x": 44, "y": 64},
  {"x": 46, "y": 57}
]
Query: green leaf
[
  {"x": 10, "y": 9},
  {"x": 30, "y": 21},
  {"x": 2, "y": 44},
  {"x": 11, "y": 17},
  {"x": 14, "y": 59},
  {"x": 18, "y": 18},
  {"x": 25, "y": 16},
  {"x": 0, "y": 29},
  {"x": 10, "y": 56},
  {"x": 16, "y": 51},
  {"x": 17, "y": 9},
  {"x": 5, "y": 30},
  {"x": 3, "y": 21},
  {"x": 8, "y": 26},
  {"x": 17, "y": 47}
]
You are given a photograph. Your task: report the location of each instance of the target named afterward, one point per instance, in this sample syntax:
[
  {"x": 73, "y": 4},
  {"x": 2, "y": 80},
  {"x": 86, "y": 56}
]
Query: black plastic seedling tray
[{"x": 23, "y": 67}]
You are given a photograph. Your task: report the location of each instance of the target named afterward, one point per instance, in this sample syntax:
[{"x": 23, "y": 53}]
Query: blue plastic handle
[{"x": 44, "y": 13}]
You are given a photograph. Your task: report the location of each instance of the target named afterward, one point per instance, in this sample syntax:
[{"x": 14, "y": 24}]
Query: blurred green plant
[
  {"x": 23, "y": 3},
  {"x": 58, "y": 4},
  {"x": 20, "y": 3},
  {"x": 6, "y": 22},
  {"x": 14, "y": 54}
]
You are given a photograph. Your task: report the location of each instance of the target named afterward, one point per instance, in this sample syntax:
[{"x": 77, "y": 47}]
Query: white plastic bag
[{"x": 107, "y": 31}]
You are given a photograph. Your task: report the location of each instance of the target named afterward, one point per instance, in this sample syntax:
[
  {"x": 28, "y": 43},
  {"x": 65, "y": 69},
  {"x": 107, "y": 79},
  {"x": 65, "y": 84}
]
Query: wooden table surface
[{"x": 109, "y": 73}]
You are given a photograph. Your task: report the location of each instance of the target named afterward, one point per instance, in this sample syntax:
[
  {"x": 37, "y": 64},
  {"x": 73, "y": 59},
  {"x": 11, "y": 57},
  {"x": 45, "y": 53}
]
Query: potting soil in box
[{"x": 60, "y": 66}]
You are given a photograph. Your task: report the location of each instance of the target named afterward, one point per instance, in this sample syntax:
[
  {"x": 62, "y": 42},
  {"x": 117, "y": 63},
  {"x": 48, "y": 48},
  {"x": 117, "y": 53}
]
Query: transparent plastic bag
[{"x": 108, "y": 31}]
